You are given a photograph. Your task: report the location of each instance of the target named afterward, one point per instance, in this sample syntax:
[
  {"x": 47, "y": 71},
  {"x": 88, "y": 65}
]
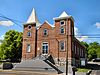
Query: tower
[
  {"x": 66, "y": 22},
  {"x": 29, "y": 37}
]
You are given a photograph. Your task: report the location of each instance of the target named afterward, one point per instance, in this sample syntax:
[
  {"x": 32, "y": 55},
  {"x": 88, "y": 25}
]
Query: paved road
[
  {"x": 95, "y": 66},
  {"x": 95, "y": 72},
  {"x": 24, "y": 73}
]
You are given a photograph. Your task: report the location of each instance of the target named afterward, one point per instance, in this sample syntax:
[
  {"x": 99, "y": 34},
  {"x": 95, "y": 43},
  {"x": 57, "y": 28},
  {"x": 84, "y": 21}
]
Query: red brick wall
[
  {"x": 29, "y": 40},
  {"x": 53, "y": 38}
]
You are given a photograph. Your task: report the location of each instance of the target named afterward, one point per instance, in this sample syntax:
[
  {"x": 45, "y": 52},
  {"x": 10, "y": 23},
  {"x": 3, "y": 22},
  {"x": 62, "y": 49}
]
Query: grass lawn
[
  {"x": 83, "y": 70},
  {"x": 0, "y": 63}
]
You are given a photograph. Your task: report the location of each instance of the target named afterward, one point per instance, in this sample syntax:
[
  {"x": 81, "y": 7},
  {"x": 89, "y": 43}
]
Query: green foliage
[
  {"x": 11, "y": 46},
  {"x": 85, "y": 44},
  {"x": 82, "y": 70},
  {"x": 93, "y": 50},
  {"x": 2, "y": 51}
]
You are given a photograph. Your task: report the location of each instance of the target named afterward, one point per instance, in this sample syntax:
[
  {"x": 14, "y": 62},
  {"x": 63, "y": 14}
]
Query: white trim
[
  {"x": 60, "y": 30},
  {"x": 29, "y": 28},
  {"x": 30, "y": 34},
  {"x": 62, "y": 21},
  {"x": 46, "y": 31},
  {"x": 49, "y": 23},
  {"x": 60, "y": 46},
  {"x": 64, "y": 14},
  {"x": 28, "y": 48},
  {"x": 42, "y": 48}
]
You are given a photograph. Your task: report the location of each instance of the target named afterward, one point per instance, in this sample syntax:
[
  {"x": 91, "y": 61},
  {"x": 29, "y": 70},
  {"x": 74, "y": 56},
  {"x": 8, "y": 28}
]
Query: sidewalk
[{"x": 12, "y": 72}]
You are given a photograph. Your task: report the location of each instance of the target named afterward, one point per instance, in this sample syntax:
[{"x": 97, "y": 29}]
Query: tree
[
  {"x": 2, "y": 48},
  {"x": 94, "y": 50},
  {"x": 11, "y": 47},
  {"x": 86, "y": 45},
  {"x": 92, "y": 54}
]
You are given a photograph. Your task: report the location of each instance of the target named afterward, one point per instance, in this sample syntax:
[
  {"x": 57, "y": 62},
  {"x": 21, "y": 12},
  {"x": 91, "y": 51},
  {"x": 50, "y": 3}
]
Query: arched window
[
  {"x": 45, "y": 32},
  {"x": 28, "y": 48},
  {"x": 62, "y": 46},
  {"x": 62, "y": 30},
  {"x": 29, "y": 34}
]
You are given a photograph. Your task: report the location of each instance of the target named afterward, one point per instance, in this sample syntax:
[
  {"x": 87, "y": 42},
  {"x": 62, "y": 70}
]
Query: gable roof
[
  {"x": 52, "y": 26},
  {"x": 49, "y": 23}
]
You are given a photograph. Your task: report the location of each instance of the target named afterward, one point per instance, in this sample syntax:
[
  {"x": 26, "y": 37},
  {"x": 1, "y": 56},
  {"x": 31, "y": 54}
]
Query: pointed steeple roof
[
  {"x": 64, "y": 14},
  {"x": 32, "y": 18}
]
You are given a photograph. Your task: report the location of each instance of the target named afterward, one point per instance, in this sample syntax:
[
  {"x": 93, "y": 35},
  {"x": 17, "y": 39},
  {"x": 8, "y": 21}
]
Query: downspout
[{"x": 36, "y": 43}]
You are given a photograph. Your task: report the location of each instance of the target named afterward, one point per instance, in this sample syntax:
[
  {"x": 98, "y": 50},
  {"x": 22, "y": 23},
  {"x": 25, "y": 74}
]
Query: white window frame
[
  {"x": 63, "y": 45},
  {"x": 61, "y": 30},
  {"x": 29, "y": 26},
  {"x": 45, "y": 44},
  {"x": 45, "y": 32},
  {"x": 28, "y": 33},
  {"x": 61, "y": 22},
  {"x": 28, "y": 48}
]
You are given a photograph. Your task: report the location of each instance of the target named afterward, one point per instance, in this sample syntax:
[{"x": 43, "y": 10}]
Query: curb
[{"x": 89, "y": 72}]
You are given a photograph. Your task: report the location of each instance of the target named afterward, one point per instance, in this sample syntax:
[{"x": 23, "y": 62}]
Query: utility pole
[
  {"x": 67, "y": 56},
  {"x": 58, "y": 51}
]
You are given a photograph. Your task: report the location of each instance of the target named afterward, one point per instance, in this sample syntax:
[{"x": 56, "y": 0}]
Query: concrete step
[{"x": 40, "y": 63}]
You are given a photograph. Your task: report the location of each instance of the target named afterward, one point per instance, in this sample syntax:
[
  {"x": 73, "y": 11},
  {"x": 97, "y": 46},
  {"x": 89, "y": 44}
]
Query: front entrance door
[{"x": 45, "y": 48}]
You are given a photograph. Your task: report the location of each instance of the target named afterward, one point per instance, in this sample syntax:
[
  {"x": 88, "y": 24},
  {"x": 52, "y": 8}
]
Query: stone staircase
[{"x": 43, "y": 63}]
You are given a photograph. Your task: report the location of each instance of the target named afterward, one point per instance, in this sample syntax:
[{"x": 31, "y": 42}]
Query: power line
[
  {"x": 88, "y": 37},
  {"x": 13, "y": 20},
  {"x": 78, "y": 36}
]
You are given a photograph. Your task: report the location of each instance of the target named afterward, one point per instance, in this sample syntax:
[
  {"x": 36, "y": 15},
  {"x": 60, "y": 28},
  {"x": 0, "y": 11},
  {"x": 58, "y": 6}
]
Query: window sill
[{"x": 62, "y": 50}]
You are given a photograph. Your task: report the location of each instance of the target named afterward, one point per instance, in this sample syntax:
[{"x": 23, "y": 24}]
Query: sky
[{"x": 86, "y": 14}]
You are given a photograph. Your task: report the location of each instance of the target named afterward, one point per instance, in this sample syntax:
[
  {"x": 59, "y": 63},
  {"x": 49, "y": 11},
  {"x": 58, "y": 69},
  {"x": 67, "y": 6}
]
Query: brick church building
[{"x": 57, "y": 40}]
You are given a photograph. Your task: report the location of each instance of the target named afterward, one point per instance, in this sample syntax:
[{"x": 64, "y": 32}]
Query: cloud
[
  {"x": 6, "y": 23},
  {"x": 1, "y": 37},
  {"x": 76, "y": 31},
  {"x": 97, "y": 24},
  {"x": 77, "y": 34},
  {"x": 82, "y": 38}
]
